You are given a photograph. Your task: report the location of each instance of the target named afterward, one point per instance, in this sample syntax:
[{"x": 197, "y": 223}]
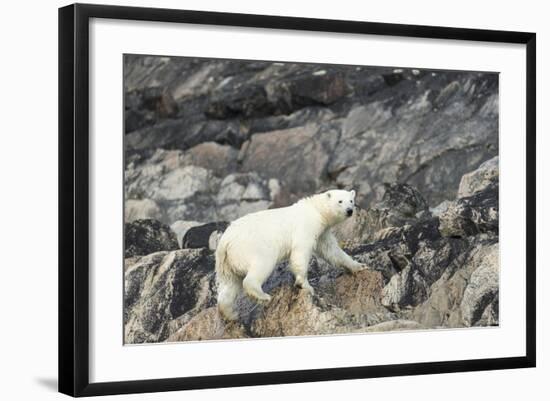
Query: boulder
[
  {"x": 142, "y": 237},
  {"x": 138, "y": 209},
  {"x": 281, "y": 154},
  {"x": 482, "y": 289},
  {"x": 180, "y": 227},
  {"x": 243, "y": 193},
  {"x": 192, "y": 193},
  {"x": 199, "y": 236},
  {"x": 401, "y": 204},
  {"x": 479, "y": 179},
  {"x": 474, "y": 214},
  {"x": 208, "y": 325},
  {"x": 448, "y": 299},
  {"x": 220, "y": 159},
  {"x": 164, "y": 290}
]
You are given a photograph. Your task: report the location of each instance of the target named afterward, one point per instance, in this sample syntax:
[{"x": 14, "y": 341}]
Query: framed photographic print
[{"x": 249, "y": 199}]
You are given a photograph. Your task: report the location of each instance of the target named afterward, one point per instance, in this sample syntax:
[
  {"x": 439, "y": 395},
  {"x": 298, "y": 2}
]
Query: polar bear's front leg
[
  {"x": 299, "y": 263},
  {"x": 328, "y": 249}
]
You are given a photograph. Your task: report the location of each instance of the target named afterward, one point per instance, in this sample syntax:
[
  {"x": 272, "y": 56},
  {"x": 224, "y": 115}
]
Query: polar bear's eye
[{"x": 339, "y": 201}]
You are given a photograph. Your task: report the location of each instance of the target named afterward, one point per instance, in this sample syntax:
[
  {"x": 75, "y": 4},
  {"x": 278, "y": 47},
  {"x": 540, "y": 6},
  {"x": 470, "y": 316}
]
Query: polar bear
[{"x": 253, "y": 245}]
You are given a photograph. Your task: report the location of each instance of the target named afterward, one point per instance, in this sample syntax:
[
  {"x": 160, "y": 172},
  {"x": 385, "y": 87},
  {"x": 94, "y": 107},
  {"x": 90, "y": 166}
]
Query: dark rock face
[
  {"x": 145, "y": 106},
  {"x": 198, "y": 236},
  {"x": 142, "y": 237}
]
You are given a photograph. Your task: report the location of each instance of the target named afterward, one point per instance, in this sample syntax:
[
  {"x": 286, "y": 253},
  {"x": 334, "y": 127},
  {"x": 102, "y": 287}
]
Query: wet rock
[{"x": 142, "y": 237}]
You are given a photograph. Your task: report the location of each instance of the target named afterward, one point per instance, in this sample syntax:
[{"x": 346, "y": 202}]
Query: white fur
[{"x": 253, "y": 245}]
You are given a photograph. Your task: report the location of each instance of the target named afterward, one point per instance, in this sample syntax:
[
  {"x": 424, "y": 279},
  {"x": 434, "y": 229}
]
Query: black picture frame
[{"x": 74, "y": 194}]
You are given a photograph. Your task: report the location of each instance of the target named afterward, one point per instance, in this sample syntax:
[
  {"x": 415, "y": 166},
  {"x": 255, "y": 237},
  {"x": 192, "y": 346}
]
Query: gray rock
[
  {"x": 395, "y": 325},
  {"x": 482, "y": 289},
  {"x": 444, "y": 306},
  {"x": 212, "y": 140},
  {"x": 441, "y": 208},
  {"x": 244, "y": 193},
  {"x": 471, "y": 215},
  {"x": 281, "y": 154},
  {"x": 479, "y": 179},
  {"x": 416, "y": 141},
  {"x": 142, "y": 237},
  {"x": 417, "y": 279},
  {"x": 188, "y": 192},
  {"x": 401, "y": 204},
  {"x": 163, "y": 291},
  {"x": 137, "y": 209},
  {"x": 182, "y": 192},
  {"x": 220, "y": 159}
]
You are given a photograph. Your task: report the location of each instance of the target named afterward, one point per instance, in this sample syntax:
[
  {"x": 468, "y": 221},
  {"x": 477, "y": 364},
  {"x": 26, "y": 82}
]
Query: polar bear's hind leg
[
  {"x": 228, "y": 290},
  {"x": 252, "y": 283}
]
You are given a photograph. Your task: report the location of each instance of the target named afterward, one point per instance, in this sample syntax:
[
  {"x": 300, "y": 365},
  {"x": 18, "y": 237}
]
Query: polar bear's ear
[
  {"x": 328, "y": 195},
  {"x": 353, "y": 193}
]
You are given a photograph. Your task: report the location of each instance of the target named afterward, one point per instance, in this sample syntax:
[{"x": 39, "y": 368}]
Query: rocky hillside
[
  {"x": 211, "y": 140},
  {"x": 207, "y": 141},
  {"x": 427, "y": 269}
]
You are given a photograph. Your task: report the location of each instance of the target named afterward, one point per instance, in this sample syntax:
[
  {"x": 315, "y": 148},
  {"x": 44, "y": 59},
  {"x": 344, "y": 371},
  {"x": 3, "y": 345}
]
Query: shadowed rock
[
  {"x": 142, "y": 237},
  {"x": 199, "y": 236}
]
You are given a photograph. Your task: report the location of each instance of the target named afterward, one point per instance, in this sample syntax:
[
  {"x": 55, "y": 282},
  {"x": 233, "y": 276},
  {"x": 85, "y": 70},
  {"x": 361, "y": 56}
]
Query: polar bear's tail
[{"x": 229, "y": 283}]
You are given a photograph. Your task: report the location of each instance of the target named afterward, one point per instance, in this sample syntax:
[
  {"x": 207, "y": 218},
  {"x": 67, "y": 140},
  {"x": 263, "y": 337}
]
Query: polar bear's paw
[
  {"x": 307, "y": 288},
  {"x": 263, "y": 298},
  {"x": 358, "y": 267},
  {"x": 228, "y": 313}
]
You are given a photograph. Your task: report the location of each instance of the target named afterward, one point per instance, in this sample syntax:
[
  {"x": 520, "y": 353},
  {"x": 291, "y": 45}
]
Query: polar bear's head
[{"x": 338, "y": 205}]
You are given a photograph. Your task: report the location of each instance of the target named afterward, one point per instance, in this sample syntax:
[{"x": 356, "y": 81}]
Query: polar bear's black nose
[{"x": 349, "y": 212}]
